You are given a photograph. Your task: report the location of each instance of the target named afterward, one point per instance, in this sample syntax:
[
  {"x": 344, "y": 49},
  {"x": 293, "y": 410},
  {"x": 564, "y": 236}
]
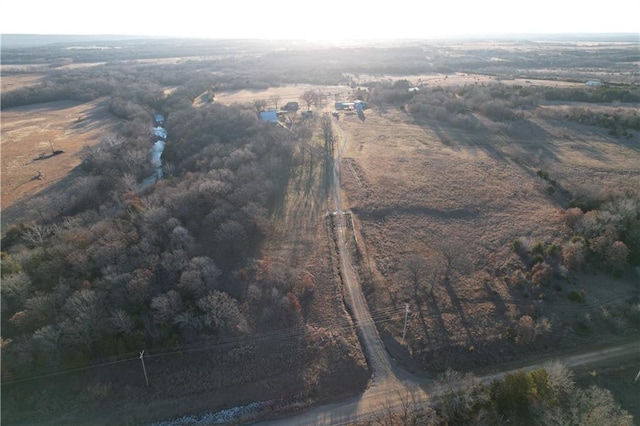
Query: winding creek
[{"x": 160, "y": 134}]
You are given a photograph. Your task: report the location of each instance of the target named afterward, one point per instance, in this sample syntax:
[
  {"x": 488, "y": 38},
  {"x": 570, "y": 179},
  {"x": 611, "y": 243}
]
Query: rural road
[
  {"x": 382, "y": 400},
  {"x": 383, "y": 372},
  {"x": 391, "y": 387}
]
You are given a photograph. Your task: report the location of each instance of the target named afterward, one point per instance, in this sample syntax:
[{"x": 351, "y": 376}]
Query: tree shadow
[
  {"x": 455, "y": 300},
  {"x": 497, "y": 142},
  {"x": 436, "y": 313}
]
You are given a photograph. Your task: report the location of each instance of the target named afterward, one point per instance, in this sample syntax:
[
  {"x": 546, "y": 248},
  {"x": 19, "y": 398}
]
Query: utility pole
[
  {"x": 144, "y": 370},
  {"x": 406, "y": 315}
]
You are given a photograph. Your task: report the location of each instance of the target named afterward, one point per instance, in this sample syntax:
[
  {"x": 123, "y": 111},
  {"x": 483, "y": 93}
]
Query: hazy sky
[{"x": 319, "y": 19}]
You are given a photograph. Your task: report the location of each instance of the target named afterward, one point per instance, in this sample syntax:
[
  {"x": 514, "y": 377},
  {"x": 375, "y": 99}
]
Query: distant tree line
[
  {"x": 598, "y": 94},
  {"x": 456, "y": 105}
]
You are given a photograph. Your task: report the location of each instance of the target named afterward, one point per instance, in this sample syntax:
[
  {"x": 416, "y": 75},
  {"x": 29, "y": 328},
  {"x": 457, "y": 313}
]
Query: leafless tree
[
  {"x": 310, "y": 97},
  {"x": 83, "y": 324},
  {"x": 189, "y": 323},
  {"x": 121, "y": 322},
  {"x": 455, "y": 257},
  {"x": 36, "y": 235},
  {"x": 166, "y": 306},
  {"x": 274, "y": 99},
  {"x": 221, "y": 311},
  {"x": 260, "y": 104},
  {"x": 420, "y": 273},
  {"x": 16, "y": 287}
]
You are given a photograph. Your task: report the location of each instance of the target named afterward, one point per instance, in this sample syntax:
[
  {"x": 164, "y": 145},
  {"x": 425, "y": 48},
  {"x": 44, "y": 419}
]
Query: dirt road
[
  {"x": 389, "y": 399},
  {"x": 392, "y": 388}
]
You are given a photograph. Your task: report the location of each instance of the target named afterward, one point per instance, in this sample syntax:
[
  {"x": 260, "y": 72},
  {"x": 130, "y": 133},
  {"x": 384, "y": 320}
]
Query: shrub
[
  {"x": 541, "y": 273},
  {"x": 618, "y": 254},
  {"x": 537, "y": 248},
  {"x": 573, "y": 216},
  {"x": 554, "y": 250},
  {"x": 516, "y": 245}
]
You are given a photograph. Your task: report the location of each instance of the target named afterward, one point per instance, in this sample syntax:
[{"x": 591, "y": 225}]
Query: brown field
[
  {"x": 460, "y": 79},
  {"x": 286, "y": 93},
  {"x": 413, "y": 186},
  {"x": 29, "y": 131},
  {"x": 16, "y": 81}
]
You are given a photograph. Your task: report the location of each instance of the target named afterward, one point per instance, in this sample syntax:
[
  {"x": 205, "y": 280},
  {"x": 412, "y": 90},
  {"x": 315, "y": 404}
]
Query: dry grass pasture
[
  {"x": 16, "y": 81},
  {"x": 30, "y": 131},
  {"x": 418, "y": 187},
  {"x": 462, "y": 78},
  {"x": 285, "y": 94}
]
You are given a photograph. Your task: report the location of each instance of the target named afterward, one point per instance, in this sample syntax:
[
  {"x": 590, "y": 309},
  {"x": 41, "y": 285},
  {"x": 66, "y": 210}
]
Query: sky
[{"x": 317, "y": 20}]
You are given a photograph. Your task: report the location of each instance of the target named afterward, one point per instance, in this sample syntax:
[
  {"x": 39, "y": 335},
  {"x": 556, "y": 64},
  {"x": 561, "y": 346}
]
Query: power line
[{"x": 378, "y": 316}]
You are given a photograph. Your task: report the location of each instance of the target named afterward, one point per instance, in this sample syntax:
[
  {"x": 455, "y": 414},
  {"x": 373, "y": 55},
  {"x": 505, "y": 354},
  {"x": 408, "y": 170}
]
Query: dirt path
[{"x": 384, "y": 373}]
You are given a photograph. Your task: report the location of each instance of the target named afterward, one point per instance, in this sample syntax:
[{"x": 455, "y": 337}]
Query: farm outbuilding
[
  {"x": 291, "y": 106},
  {"x": 269, "y": 116},
  {"x": 358, "y": 104}
]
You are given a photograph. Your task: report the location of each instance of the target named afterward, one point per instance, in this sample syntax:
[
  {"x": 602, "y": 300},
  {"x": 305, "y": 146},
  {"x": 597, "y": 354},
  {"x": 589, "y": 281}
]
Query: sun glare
[{"x": 328, "y": 20}]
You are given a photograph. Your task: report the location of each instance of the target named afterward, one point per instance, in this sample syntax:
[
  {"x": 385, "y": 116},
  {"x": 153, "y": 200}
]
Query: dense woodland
[{"x": 111, "y": 268}]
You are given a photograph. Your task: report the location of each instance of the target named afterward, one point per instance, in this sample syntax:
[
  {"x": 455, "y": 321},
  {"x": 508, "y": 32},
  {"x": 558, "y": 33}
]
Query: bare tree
[
  {"x": 260, "y": 104},
  {"x": 420, "y": 273},
  {"x": 121, "y": 322},
  {"x": 274, "y": 99},
  {"x": 166, "y": 306},
  {"x": 455, "y": 258},
  {"x": 35, "y": 235},
  {"x": 84, "y": 322},
  {"x": 310, "y": 97},
  {"x": 189, "y": 323},
  {"x": 221, "y": 311}
]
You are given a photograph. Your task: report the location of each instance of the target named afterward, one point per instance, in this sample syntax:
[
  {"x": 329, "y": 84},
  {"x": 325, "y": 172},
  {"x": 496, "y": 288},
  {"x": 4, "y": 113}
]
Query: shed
[
  {"x": 291, "y": 106},
  {"x": 360, "y": 105},
  {"x": 269, "y": 116}
]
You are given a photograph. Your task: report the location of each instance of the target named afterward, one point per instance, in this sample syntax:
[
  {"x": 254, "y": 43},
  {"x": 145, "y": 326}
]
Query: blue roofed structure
[{"x": 269, "y": 116}]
